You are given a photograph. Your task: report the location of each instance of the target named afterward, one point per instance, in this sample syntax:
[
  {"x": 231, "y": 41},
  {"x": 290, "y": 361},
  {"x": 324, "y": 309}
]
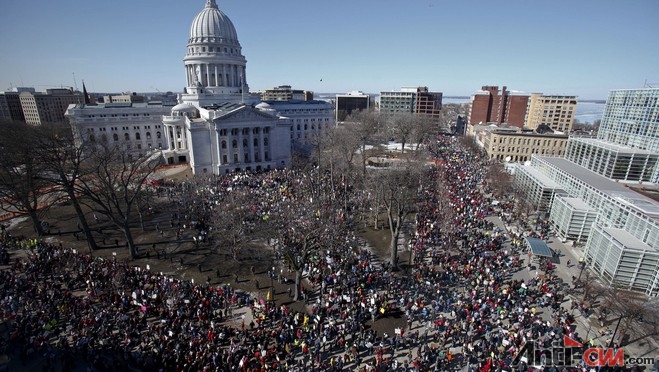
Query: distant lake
[{"x": 587, "y": 112}]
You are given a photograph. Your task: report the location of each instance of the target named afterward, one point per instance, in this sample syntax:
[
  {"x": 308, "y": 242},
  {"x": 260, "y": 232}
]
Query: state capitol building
[{"x": 217, "y": 125}]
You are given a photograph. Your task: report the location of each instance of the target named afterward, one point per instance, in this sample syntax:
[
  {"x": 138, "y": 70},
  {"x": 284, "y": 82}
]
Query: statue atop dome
[{"x": 211, "y": 4}]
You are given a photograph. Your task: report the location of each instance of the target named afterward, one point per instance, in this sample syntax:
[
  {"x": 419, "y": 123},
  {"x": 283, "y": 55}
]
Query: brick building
[{"x": 491, "y": 105}]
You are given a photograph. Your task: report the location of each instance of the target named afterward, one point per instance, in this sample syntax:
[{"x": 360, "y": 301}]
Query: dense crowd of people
[{"x": 460, "y": 302}]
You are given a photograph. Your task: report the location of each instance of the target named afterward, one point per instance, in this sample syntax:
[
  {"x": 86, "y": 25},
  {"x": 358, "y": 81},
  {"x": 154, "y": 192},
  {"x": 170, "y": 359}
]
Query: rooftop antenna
[{"x": 75, "y": 84}]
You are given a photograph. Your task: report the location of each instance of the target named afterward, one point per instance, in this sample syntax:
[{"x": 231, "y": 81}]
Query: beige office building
[
  {"x": 556, "y": 112},
  {"x": 124, "y": 98},
  {"x": 518, "y": 146},
  {"x": 286, "y": 93},
  {"x": 49, "y": 107}
]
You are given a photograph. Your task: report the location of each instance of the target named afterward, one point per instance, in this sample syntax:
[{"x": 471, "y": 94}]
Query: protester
[{"x": 459, "y": 300}]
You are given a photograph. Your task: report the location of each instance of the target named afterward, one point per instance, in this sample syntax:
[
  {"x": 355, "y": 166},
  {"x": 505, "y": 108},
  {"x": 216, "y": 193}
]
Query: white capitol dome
[
  {"x": 214, "y": 64},
  {"x": 211, "y": 23}
]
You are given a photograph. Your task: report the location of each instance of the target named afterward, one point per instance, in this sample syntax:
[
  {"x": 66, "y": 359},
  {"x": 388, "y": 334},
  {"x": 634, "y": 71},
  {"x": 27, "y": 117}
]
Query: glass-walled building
[
  {"x": 624, "y": 261},
  {"x": 628, "y": 222},
  {"x": 598, "y": 177},
  {"x": 572, "y": 218},
  {"x": 539, "y": 188},
  {"x": 612, "y": 160},
  {"x": 631, "y": 118}
]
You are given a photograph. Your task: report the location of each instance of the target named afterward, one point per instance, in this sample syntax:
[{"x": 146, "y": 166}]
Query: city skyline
[{"x": 584, "y": 48}]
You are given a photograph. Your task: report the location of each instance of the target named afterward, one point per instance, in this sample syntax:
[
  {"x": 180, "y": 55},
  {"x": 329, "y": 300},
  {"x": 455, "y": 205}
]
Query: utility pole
[{"x": 613, "y": 336}]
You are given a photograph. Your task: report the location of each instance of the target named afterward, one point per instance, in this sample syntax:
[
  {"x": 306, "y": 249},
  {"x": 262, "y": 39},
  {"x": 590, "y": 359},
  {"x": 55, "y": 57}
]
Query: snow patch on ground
[{"x": 395, "y": 146}]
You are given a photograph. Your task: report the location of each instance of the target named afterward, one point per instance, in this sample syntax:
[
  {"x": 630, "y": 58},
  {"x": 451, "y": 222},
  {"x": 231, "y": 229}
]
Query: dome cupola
[{"x": 212, "y": 25}]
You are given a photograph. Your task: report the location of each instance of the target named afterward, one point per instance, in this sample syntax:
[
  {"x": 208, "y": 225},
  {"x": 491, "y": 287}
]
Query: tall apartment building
[
  {"x": 413, "y": 100},
  {"x": 588, "y": 198},
  {"x": 489, "y": 105},
  {"x": 350, "y": 102},
  {"x": 10, "y": 104},
  {"x": 556, "y": 112},
  {"x": 49, "y": 107}
]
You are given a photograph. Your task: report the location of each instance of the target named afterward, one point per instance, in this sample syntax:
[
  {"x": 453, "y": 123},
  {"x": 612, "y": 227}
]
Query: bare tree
[
  {"x": 632, "y": 313},
  {"x": 470, "y": 145},
  {"x": 401, "y": 128},
  {"x": 368, "y": 128},
  {"x": 338, "y": 162},
  {"x": 425, "y": 128},
  {"x": 499, "y": 179},
  {"x": 305, "y": 222},
  {"x": 55, "y": 148},
  {"x": 21, "y": 188},
  {"x": 445, "y": 215},
  {"x": 116, "y": 179},
  {"x": 235, "y": 222},
  {"x": 298, "y": 244},
  {"x": 398, "y": 194}
]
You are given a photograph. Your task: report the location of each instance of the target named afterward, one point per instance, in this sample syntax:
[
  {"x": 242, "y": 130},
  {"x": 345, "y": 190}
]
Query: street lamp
[
  {"x": 582, "y": 265},
  {"x": 272, "y": 276}
]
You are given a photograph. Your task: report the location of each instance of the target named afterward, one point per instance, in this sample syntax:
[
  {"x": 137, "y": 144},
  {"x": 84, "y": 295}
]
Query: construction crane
[
  {"x": 650, "y": 85},
  {"x": 75, "y": 83}
]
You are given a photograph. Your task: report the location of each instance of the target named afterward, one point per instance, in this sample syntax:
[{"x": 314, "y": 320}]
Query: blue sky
[{"x": 567, "y": 47}]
